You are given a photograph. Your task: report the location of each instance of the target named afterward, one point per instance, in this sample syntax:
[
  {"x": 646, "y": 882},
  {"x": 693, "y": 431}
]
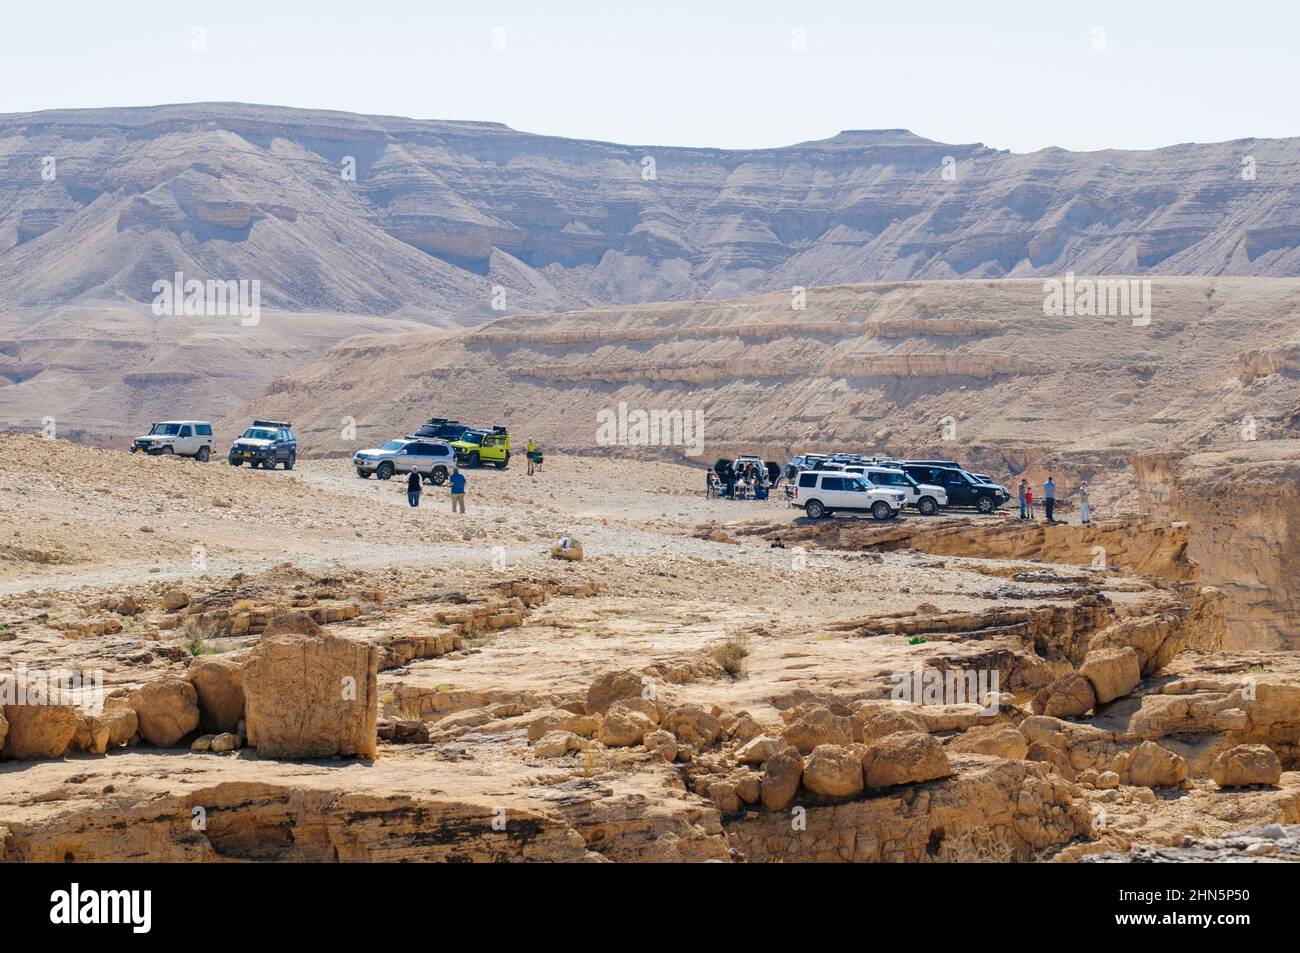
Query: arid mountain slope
[
  {"x": 971, "y": 369},
  {"x": 103, "y": 373},
  {"x": 96, "y": 205}
]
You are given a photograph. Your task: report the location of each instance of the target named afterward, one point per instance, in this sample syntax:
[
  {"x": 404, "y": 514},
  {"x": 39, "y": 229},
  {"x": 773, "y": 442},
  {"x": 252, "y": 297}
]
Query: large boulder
[
  {"x": 40, "y": 731},
  {"x": 693, "y": 726},
  {"x": 1113, "y": 672},
  {"x": 1070, "y": 696},
  {"x": 570, "y": 547},
  {"x": 614, "y": 686},
  {"x": 1004, "y": 741},
  {"x": 168, "y": 709},
  {"x": 624, "y": 726},
  {"x": 1157, "y": 639},
  {"x": 221, "y": 696},
  {"x": 904, "y": 757},
  {"x": 559, "y": 719},
  {"x": 833, "y": 771},
  {"x": 877, "y": 721},
  {"x": 1245, "y": 765},
  {"x": 311, "y": 694},
  {"x": 820, "y": 727},
  {"x": 781, "y": 777},
  {"x": 1151, "y": 766},
  {"x": 757, "y": 750}
]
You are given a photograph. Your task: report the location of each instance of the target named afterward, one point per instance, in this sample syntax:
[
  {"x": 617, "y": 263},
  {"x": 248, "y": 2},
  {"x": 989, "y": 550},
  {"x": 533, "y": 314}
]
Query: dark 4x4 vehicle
[
  {"x": 962, "y": 488},
  {"x": 440, "y": 428},
  {"x": 265, "y": 444}
]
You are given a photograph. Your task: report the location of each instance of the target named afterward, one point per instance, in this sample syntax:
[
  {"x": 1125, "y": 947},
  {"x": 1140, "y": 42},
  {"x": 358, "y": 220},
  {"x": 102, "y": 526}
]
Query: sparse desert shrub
[{"x": 731, "y": 652}]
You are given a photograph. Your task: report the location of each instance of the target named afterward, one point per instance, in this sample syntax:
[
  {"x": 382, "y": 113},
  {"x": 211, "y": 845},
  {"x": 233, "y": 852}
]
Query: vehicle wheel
[
  {"x": 472, "y": 459},
  {"x": 203, "y": 455},
  {"x": 384, "y": 470},
  {"x": 293, "y": 458},
  {"x": 268, "y": 464},
  {"x": 169, "y": 451},
  {"x": 880, "y": 510},
  {"x": 364, "y": 474},
  {"x": 985, "y": 504},
  {"x": 502, "y": 464},
  {"x": 439, "y": 476},
  {"x": 235, "y": 463},
  {"x": 927, "y": 506},
  {"x": 814, "y": 510}
]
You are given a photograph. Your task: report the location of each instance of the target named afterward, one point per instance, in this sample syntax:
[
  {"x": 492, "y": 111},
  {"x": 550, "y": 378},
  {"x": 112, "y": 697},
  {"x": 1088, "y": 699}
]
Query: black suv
[
  {"x": 963, "y": 489},
  {"x": 265, "y": 444},
  {"x": 440, "y": 428}
]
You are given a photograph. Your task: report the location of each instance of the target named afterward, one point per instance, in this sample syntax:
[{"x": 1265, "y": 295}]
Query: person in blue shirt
[
  {"x": 1024, "y": 504},
  {"x": 457, "y": 490},
  {"x": 1049, "y": 495}
]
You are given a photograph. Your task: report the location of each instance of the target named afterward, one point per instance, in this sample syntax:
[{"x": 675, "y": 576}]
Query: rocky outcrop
[
  {"x": 311, "y": 694},
  {"x": 1245, "y": 505}
]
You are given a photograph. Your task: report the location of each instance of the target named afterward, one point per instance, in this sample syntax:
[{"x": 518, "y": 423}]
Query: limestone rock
[
  {"x": 567, "y": 548},
  {"x": 1070, "y": 696},
  {"x": 664, "y": 743},
  {"x": 820, "y": 727},
  {"x": 216, "y": 680},
  {"x": 1113, "y": 672},
  {"x": 556, "y": 744},
  {"x": 311, "y": 695},
  {"x": 833, "y": 771},
  {"x": 693, "y": 726},
  {"x": 1151, "y": 766},
  {"x": 881, "y": 720},
  {"x": 40, "y": 731},
  {"x": 168, "y": 709},
  {"x": 904, "y": 757},
  {"x": 1001, "y": 740},
  {"x": 1245, "y": 765},
  {"x": 122, "y": 724},
  {"x": 624, "y": 727},
  {"x": 758, "y": 750},
  {"x": 174, "y": 599},
  {"x": 560, "y": 720},
  {"x": 614, "y": 686},
  {"x": 202, "y": 743},
  {"x": 92, "y": 736},
  {"x": 292, "y": 623},
  {"x": 226, "y": 741},
  {"x": 781, "y": 777}
]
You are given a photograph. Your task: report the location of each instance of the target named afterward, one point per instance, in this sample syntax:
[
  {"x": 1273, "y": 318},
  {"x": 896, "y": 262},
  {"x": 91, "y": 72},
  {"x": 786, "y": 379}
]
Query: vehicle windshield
[
  {"x": 470, "y": 437},
  {"x": 165, "y": 430},
  {"x": 259, "y": 433},
  {"x": 888, "y": 479},
  {"x": 394, "y": 445}
]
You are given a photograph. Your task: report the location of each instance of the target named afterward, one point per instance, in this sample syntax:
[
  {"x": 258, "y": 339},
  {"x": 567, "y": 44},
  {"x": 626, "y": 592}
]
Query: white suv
[
  {"x": 821, "y": 493},
  {"x": 430, "y": 458},
  {"x": 925, "y": 497},
  {"x": 184, "y": 438}
]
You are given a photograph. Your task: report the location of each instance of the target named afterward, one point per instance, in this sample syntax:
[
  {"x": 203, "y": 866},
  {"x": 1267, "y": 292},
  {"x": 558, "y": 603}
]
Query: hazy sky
[{"x": 1014, "y": 75}]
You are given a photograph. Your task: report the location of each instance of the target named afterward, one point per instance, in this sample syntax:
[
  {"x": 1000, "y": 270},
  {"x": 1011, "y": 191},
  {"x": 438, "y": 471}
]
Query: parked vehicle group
[{"x": 822, "y": 484}]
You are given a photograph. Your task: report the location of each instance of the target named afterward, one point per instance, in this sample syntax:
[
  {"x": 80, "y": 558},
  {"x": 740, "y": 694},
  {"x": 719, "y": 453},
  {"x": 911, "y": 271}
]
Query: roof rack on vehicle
[
  {"x": 271, "y": 423},
  {"x": 499, "y": 428}
]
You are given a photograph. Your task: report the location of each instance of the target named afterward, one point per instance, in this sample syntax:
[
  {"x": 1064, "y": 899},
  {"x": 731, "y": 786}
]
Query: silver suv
[
  {"x": 184, "y": 438},
  {"x": 429, "y": 458}
]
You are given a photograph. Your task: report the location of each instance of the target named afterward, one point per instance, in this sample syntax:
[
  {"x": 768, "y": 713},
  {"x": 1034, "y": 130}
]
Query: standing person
[
  {"x": 1024, "y": 509},
  {"x": 1083, "y": 503},
  {"x": 1029, "y": 502},
  {"x": 413, "y": 489},
  {"x": 532, "y": 449},
  {"x": 1049, "y": 494},
  {"x": 457, "y": 490}
]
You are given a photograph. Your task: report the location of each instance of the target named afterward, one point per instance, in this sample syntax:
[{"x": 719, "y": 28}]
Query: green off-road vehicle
[{"x": 477, "y": 447}]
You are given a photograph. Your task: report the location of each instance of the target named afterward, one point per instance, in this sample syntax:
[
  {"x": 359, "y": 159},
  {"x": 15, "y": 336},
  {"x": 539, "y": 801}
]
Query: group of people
[
  {"x": 415, "y": 485},
  {"x": 749, "y": 481},
  {"x": 1049, "y": 500}
]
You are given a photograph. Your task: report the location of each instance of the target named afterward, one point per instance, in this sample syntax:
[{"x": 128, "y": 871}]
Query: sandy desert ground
[{"x": 685, "y": 691}]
